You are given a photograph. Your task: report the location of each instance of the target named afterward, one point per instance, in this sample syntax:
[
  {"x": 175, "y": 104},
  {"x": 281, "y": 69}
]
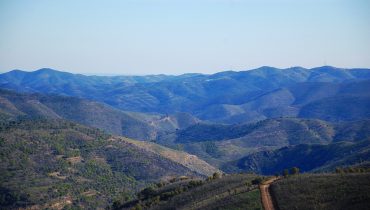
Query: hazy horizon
[
  {"x": 175, "y": 37},
  {"x": 149, "y": 74}
]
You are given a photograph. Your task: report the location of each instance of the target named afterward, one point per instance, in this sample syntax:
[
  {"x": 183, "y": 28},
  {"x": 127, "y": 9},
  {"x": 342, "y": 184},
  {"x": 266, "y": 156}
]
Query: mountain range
[
  {"x": 225, "y": 97},
  {"x": 218, "y": 144},
  {"x": 114, "y": 135}
]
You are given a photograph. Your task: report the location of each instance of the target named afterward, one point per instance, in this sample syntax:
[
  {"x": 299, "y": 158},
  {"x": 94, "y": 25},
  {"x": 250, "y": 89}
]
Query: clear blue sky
[{"x": 178, "y": 36}]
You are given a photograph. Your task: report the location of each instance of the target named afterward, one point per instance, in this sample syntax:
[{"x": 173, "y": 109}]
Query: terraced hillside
[
  {"x": 49, "y": 163},
  {"x": 238, "y": 191}
]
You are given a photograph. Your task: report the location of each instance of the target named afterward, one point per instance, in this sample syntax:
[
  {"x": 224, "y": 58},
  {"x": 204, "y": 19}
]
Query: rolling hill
[
  {"x": 323, "y": 191},
  {"x": 219, "y": 144},
  {"x": 226, "y": 97},
  {"x": 306, "y": 157},
  {"x": 134, "y": 125},
  {"x": 46, "y": 163},
  {"x": 237, "y": 191}
]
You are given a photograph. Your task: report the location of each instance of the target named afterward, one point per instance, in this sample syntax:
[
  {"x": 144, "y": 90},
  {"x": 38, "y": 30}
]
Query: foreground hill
[
  {"x": 241, "y": 191},
  {"x": 306, "y": 157},
  {"x": 227, "y": 97},
  {"x": 323, "y": 191},
  {"x": 237, "y": 191},
  {"x": 51, "y": 163}
]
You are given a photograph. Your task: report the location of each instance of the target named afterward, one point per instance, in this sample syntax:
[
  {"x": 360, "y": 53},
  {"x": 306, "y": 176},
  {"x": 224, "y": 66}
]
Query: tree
[
  {"x": 285, "y": 172},
  {"x": 138, "y": 207},
  {"x": 257, "y": 181},
  {"x": 147, "y": 193},
  {"x": 117, "y": 204},
  {"x": 294, "y": 170},
  {"x": 216, "y": 175},
  {"x": 339, "y": 170}
]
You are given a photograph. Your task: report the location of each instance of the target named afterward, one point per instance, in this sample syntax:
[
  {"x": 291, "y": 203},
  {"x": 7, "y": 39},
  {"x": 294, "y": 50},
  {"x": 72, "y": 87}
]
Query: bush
[
  {"x": 216, "y": 175},
  {"x": 285, "y": 172},
  {"x": 294, "y": 171},
  {"x": 257, "y": 181}
]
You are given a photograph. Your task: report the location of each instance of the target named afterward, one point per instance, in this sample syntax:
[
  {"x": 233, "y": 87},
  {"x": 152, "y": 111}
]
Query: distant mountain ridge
[{"x": 226, "y": 97}]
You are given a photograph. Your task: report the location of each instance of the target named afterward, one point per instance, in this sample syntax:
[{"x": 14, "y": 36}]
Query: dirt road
[{"x": 265, "y": 194}]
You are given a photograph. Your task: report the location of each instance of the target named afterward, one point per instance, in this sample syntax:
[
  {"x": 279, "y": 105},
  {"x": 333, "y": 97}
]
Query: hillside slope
[
  {"x": 306, "y": 157},
  {"x": 237, "y": 191},
  {"x": 323, "y": 191},
  {"x": 134, "y": 125},
  {"x": 215, "y": 143},
  {"x": 56, "y": 162},
  {"x": 219, "y": 143}
]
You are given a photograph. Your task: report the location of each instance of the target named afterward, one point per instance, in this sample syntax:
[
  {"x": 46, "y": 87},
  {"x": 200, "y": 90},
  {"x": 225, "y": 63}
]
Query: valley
[
  {"x": 193, "y": 141},
  {"x": 185, "y": 105}
]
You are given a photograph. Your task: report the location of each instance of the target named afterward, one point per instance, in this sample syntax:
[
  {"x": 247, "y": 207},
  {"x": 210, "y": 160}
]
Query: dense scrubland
[
  {"x": 323, "y": 191},
  {"x": 46, "y": 162},
  {"x": 237, "y": 191}
]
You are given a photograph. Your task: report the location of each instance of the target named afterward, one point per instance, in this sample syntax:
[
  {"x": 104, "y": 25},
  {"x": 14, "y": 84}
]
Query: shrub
[
  {"x": 216, "y": 175},
  {"x": 257, "y": 181},
  {"x": 147, "y": 193},
  {"x": 285, "y": 172},
  {"x": 294, "y": 170}
]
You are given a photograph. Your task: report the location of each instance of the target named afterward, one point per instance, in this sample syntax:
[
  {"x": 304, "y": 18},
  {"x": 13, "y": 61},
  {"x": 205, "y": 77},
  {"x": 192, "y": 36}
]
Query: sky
[{"x": 138, "y": 37}]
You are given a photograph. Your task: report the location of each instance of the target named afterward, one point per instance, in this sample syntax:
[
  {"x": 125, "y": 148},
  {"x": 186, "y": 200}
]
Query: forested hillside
[
  {"x": 218, "y": 143},
  {"x": 323, "y": 191},
  {"x": 48, "y": 163},
  {"x": 306, "y": 157}
]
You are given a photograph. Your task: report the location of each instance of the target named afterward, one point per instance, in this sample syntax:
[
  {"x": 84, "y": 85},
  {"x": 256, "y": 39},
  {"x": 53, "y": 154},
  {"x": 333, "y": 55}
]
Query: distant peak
[
  {"x": 48, "y": 70},
  {"x": 16, "y": 71},
  {"x": 326, "y": 68},
  {"x": 266, "y": 67},
  {"x": 296, "y": 67}
]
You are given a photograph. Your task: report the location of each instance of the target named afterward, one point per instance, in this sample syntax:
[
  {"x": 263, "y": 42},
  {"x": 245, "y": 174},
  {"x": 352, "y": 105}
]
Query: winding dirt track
[{"x": 265, "y": 194}]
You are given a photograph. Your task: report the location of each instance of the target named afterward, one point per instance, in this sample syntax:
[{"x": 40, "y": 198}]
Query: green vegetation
[
  {"x": 323, "y": 191},
  {"x": 238, "y": 191},
  {"x": 55, "y": 162},
  {"x": 313, "y": 158},
  {"x": 294, "y": 170},
  {"x": 47, "y": 162},
  {"x": 360, "y": 168},
  {"x": 220, "y": 145}
]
